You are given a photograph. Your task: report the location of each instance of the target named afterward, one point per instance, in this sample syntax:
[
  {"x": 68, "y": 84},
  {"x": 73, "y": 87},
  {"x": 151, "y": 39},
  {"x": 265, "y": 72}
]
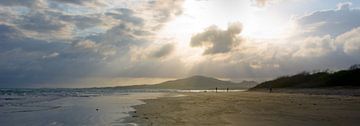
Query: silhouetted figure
[
  {"x": 97, "y": 109},
  {"x": 227, "y": 89},
  {"x": 216, "y": 90},
  {"x": 270, "y": 88}
]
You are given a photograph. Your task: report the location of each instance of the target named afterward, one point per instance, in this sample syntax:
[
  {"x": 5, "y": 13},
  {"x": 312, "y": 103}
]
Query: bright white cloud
[
  {"x": 315, "y": 46},
  {"x": 350, "y": 41}
]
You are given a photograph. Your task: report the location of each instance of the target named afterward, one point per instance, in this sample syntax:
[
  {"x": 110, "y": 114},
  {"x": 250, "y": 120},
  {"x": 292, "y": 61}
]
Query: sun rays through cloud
[{"x": 74, "y": 43}]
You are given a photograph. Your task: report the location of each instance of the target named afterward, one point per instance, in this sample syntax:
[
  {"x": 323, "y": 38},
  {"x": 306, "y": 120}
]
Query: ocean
[
  {"x": 70, "y": 107},
  {"x": 75, "y": 106}
]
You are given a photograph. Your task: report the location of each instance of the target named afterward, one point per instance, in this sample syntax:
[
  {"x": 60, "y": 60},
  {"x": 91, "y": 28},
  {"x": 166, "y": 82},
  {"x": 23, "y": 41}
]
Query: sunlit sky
[{"x": 77, "y": 43}]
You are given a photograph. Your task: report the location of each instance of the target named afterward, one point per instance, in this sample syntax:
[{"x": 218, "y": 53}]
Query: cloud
[
  {"x": 62, "y": 41},
  {"x": 40, "y": 22},
  {"x": 260, "y": 3},
  {"x": 215, "y": 40},
  {"x": 86, "y": 44},
  {"x": 79, "y": 2},
  {"x": 52, "y": 55},
  {"x": 344, "y": 6},
  {"x": 9, "y": 32},
  {"x": 328, "y": 39},
  {"x": 163, "y": 51},
  {"x": 25, "y": 62},
  {"x": 126, "y": 15},
  {"x": 264, "y": 3},
  {"x": 152, "y": 52},
  {"x": 81, "y": 22},
  {"x": 315, "y": 46},
  {"x": 333, "y": 22},
  {"x": 86, "y": 3},
  {"x": 165, "y": 9},
  {"x": 58, "y": 19},
  {"x": 350, "y": 42},
  {"x": 20, "y": 2},
  {"x": 40, "y": 25},
  {"x": 265, "y": 59}
]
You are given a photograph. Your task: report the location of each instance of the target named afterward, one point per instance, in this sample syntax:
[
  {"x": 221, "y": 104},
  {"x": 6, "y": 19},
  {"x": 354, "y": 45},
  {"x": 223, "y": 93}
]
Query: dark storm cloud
[{"x": 215, "y": 40}]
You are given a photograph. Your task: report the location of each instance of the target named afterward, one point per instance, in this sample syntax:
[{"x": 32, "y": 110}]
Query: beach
[{"x": 249, "y": 109}]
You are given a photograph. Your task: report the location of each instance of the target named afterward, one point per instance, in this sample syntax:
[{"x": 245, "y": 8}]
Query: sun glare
[
  {"x": 197, "y": 15},
  {"x": 266, "y": 26}
]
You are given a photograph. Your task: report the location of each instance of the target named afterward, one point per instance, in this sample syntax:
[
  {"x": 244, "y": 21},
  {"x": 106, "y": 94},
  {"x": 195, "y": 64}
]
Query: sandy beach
[{"x": 249, "y": 109}]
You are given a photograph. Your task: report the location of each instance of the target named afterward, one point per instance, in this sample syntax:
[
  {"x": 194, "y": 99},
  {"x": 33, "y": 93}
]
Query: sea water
[
  {"x": 69, "y": 107},
  {"x": 76, "y": 107}
]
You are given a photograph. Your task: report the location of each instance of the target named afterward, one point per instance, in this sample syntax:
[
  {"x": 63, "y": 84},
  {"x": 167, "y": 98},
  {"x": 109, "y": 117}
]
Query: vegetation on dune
[{"x": 342, "y": 78}]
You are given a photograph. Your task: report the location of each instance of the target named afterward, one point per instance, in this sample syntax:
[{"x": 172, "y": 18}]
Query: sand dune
[{"x": 250, "y": 109}]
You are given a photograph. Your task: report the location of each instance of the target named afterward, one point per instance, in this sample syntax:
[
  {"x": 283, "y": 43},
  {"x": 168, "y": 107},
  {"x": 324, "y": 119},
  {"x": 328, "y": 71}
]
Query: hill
[
  {"x": 195, "y": 83},
  {"x": 349, "y": 78}
]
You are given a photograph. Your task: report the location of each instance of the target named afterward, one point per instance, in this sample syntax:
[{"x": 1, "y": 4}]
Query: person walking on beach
[
  {"x": 270, "y": 88},
  {"x": 216, "y": 90},
  {"x": 227, "y": 89}
]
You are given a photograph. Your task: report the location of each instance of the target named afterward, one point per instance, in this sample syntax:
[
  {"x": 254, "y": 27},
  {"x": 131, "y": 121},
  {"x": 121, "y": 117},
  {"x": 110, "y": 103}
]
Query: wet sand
[
  {"x": 104, "y": 110},
  {"x": 249, "y": 109}
]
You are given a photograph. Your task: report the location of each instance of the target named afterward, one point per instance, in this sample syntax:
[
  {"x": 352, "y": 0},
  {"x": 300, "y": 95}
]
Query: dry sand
[{"x": 249, "y": 109}]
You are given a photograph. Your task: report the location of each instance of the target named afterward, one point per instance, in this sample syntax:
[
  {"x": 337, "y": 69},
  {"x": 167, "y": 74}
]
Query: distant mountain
[
  {"x": 195, "y": 83},
  {"x": 344, "y": 79}
]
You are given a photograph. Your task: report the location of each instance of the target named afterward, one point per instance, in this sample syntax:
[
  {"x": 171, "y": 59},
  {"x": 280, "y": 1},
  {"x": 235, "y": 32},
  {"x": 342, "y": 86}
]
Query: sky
[{"x": 95, "y": 43}]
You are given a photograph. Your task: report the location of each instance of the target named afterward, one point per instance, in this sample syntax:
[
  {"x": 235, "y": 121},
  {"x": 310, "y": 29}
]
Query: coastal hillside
[
  {"x": 196, "y": 83},
  {"x": 349, "y": 78}
]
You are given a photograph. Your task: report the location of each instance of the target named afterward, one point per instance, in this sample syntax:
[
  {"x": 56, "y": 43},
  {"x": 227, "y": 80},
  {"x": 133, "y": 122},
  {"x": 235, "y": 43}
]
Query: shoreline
[
  {"x": 248, "y": 108},
  {"x": 36, "y": 110}
]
